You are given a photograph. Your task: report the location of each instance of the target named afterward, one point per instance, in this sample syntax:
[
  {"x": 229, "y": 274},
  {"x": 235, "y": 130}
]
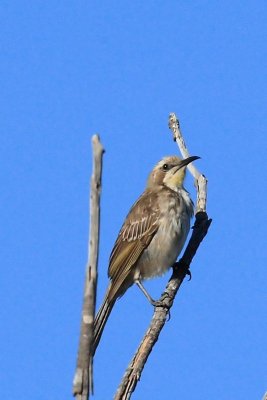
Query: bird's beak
[{"x": 187, "y": 161}]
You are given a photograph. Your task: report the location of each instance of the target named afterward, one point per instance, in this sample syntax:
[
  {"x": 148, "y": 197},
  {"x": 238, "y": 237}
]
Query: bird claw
[
  {"x": 157, "y": 303},
  {"x": 161, "y": 303},
  {"x": 188, "y": 272}
]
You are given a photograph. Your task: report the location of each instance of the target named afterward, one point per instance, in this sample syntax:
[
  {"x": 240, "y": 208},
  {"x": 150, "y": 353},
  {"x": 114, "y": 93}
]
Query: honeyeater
[{"x": 152, "y": 235}]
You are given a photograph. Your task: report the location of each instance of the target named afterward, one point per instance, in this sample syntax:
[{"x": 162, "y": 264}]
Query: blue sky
[{"x": 70, "y": 69}]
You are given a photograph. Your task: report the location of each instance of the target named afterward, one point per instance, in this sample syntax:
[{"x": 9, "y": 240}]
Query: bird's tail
[{"x": 101, "y": 319}]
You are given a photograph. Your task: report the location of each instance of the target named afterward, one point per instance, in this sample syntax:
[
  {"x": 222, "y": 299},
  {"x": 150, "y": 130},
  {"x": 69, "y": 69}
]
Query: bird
[{"x": 151, "y": 237}]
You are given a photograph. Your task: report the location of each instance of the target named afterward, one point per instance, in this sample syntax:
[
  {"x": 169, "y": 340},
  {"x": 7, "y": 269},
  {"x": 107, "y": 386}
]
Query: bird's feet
[
  {"x": 180, "y": 265},
  {"x": 188, "y": 272},
  {"x": 161, "y": 302}
]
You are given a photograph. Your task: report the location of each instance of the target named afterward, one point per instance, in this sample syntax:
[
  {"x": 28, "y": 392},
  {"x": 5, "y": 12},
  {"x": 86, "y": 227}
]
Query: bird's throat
[{"x": 176, "y": 181}]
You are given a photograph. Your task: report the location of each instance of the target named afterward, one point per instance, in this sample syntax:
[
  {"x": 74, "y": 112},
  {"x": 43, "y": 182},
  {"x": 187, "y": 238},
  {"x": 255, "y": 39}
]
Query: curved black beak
[{"x": 187, "y": 161}]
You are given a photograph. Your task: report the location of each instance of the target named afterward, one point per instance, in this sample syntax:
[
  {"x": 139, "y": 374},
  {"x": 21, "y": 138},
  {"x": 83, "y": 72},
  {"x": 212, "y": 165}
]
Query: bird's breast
[{"x": 166, "y": 245}]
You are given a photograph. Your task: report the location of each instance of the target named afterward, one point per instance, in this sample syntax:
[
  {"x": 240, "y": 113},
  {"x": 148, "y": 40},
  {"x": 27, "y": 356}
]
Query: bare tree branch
[
  {"x": 180, "y": 270},
  {"x": 83, "y": 378}
]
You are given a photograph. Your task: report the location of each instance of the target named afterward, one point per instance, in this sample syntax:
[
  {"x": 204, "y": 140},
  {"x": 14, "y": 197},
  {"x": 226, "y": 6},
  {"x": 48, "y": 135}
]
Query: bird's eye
[{"x": 165, "y": 167}]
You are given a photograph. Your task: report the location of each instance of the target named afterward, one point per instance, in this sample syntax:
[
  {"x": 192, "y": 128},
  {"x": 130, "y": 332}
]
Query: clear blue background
[{"x": 73, "y": 68}]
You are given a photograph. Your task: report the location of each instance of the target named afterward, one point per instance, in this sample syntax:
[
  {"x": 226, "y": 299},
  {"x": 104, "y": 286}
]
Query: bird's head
[{"x": 170, "y": 172}]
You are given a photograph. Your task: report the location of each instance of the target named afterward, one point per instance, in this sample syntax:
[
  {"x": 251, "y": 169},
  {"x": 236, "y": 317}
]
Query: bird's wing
[{"x": 140, "y": 226}]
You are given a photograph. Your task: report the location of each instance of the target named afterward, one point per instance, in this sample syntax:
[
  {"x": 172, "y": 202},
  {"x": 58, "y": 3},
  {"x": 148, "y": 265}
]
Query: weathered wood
[{"x": 83, "y": 378}]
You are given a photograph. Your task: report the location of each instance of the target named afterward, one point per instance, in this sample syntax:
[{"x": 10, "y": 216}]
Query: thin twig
[
  {"x": 180, "y": 270},
  {"x": 174, "y": 125},
  {"x": 83, "y": 378},
  {"x": 200, "y": 179}
]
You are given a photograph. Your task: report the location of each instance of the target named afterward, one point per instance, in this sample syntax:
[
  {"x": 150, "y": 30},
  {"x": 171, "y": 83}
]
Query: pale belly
[{"x": 164, "y": 248}]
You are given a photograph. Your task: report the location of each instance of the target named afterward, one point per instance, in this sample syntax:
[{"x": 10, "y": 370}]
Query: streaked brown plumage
[{"x": 152, "y": 235}]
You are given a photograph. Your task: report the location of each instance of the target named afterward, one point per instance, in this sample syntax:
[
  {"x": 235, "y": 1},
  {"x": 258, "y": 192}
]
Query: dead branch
[
  {"x": 83, "y": 378},
  {"x": 180, "y": 270}
]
